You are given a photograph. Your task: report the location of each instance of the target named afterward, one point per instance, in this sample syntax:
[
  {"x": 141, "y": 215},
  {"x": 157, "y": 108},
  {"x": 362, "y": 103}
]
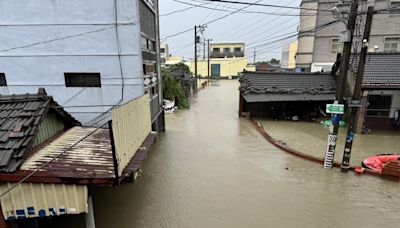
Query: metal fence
[{"x": 131, "y": 124}]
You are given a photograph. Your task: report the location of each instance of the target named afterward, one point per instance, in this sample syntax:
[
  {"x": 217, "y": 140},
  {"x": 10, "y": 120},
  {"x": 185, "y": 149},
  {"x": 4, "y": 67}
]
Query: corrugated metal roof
[
  {"x": 288, "y": 97},
  {"x": 264, "y": 87},
  {"x": 20, "y": 116},
  {"x": 91, "y": 158},
  {"x": 382, "y": 70},
  {"x": 39, "y": 200}
]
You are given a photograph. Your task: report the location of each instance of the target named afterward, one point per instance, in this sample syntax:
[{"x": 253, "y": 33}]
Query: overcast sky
[{"x": 265, "y": 33}]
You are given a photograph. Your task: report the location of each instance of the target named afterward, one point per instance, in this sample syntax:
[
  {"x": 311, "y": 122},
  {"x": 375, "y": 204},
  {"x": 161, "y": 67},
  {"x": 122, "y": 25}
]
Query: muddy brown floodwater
[{"x": 212, "y": 169}]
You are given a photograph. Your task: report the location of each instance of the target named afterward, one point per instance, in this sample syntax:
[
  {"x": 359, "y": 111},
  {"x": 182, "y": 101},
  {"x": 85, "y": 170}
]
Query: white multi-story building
[
  {"x": 319, "y": 44},
  {"x": 89, "y": 55}
]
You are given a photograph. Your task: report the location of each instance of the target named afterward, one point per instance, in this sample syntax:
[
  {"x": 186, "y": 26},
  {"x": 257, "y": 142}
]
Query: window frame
[
  {"x": 216, "y": 50},
  {"x": 394, "y": 13},
  {"x": 379, "y": 111},
  {"x": 391, "y": 43},
  {"x": 86, "y": 79}
]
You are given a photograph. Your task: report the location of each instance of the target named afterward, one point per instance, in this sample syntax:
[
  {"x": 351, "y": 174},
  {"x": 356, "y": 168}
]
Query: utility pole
[
  {"x": 255, "y": 54},
  {"x": 195, "y": 51},
  {"x": 355, "y": 102},
  {"x": 204, "y": 50},
  {"x": 208, "y": 59},
  {"x": 341, "y": 83}
]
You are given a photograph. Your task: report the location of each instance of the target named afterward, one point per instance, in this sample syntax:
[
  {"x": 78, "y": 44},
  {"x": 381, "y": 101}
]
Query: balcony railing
[{"x": 226, "y": 54}]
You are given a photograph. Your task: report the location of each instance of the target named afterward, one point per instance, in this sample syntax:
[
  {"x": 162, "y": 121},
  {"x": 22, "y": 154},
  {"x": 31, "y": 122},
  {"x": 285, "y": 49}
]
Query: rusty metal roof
[
  {"x": 91, "y": 158},
  {"x": 20, "y": 116}
]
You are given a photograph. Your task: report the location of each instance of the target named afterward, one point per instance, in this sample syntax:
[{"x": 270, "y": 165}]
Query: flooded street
[
  {"x": 315, "y": 140},
  {"x": 212, "y": 169}
]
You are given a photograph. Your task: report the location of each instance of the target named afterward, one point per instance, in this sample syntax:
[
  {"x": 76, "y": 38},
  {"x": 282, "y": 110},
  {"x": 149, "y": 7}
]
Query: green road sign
[{"x": 335, "y": 108}]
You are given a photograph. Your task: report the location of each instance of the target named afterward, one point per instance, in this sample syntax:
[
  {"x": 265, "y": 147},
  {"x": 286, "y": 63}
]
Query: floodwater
[
  {"x": 311, "y": 138},
  {"x": 212, "y": 169}
]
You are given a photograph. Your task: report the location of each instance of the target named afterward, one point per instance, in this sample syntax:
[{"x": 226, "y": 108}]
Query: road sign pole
[
  {"x": 357, "y": 94},
  {"x": 344, "y": 67}
]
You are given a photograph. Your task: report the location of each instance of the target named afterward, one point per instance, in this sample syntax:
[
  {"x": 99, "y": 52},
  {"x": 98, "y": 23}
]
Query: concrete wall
[
  {"x": 226, "y": 45},
  {"x": 229, "y": 66},
  {"x": 77, "y": 36},
  {"x": 308, "y": 21}
]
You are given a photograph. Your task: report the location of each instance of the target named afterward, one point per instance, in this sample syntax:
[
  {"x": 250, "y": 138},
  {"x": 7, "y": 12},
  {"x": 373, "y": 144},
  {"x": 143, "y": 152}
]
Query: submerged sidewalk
[{"x": 311, "y": 138}]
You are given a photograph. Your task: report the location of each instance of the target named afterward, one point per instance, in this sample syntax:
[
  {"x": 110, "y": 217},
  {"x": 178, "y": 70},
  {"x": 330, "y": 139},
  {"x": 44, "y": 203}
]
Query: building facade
[
  {"x": 288, "y": 59},
  {"x": 90, "y": 55},
  {"x": 164, "y": 53},
  {"x": 226, "y": 60},
  {"x": 318, "y": 45}
]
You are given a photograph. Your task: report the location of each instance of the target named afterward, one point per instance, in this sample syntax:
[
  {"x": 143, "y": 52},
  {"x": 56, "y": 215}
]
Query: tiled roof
[
  {"x": 266, "y": 87},
  {"x": 20, "y": 116},
  {"x": 382, "y": 70},
  {"x": 288, "y": 97}
]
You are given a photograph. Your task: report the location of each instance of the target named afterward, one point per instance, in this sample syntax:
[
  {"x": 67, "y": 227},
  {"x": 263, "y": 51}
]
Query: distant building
[
  {"x": 90, "y": 55},
  {"x": 320, "y": 46},
  {"x": 226, "y": 60},
  {"x": 288, "y": 59},
  {"x": 164, "y": 53},
  {"x": 174, "y": 60},
  {"x": 267, "y": 67}
]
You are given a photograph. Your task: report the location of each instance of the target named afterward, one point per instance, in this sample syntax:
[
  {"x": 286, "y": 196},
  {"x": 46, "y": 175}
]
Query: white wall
[{"x": 26, "y": 22}]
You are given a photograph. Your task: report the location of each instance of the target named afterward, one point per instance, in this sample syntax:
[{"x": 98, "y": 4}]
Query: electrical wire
[{"x": 266, "y": 5}]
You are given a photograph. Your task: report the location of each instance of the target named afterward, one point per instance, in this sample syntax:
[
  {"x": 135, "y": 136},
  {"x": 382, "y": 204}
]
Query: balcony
[{"x": 226, "y": 54}]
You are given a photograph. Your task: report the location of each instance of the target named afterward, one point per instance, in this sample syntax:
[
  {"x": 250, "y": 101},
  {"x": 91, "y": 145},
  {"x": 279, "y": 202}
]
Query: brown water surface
[{"x": 212, "y": 169}]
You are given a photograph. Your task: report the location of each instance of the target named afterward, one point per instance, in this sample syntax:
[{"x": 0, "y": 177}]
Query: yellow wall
[
  {"x": 292, "y": 54},
  {"x": 229, "y": 66},
  {"x": 173, "y": 60}
]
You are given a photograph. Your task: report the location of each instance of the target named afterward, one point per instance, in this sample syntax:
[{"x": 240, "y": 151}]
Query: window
[
  {"x": 237, "y": 49},
  {"x": 3, "y": 81},
  {"x": 391, "y": 44},
  {"x": 379, "y": 105},
  {"x": 395, "y": 9},
  {"x": 216, "y": 50},
  {"x": 227, "y": 50},
  {"x": 336, "y": 46},
  {"x": 162, "y": 50},
  {"x": 144, "y": 43},
  {"x": 82, "y": 79},
  {"x": 149, "y": 68}
]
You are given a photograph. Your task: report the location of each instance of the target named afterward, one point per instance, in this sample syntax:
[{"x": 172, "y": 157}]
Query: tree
[
  {"x": 172, "y": 89},
  {"x": 274, "y": 61}
]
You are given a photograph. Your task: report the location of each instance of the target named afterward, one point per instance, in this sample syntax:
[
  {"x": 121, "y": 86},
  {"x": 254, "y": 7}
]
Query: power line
[
  {"x": 243, "y": 11},
  {"x": 211, "y": 21},
  {"x": 266, "y": 5},
  {"x": 183, "y": 10}
]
